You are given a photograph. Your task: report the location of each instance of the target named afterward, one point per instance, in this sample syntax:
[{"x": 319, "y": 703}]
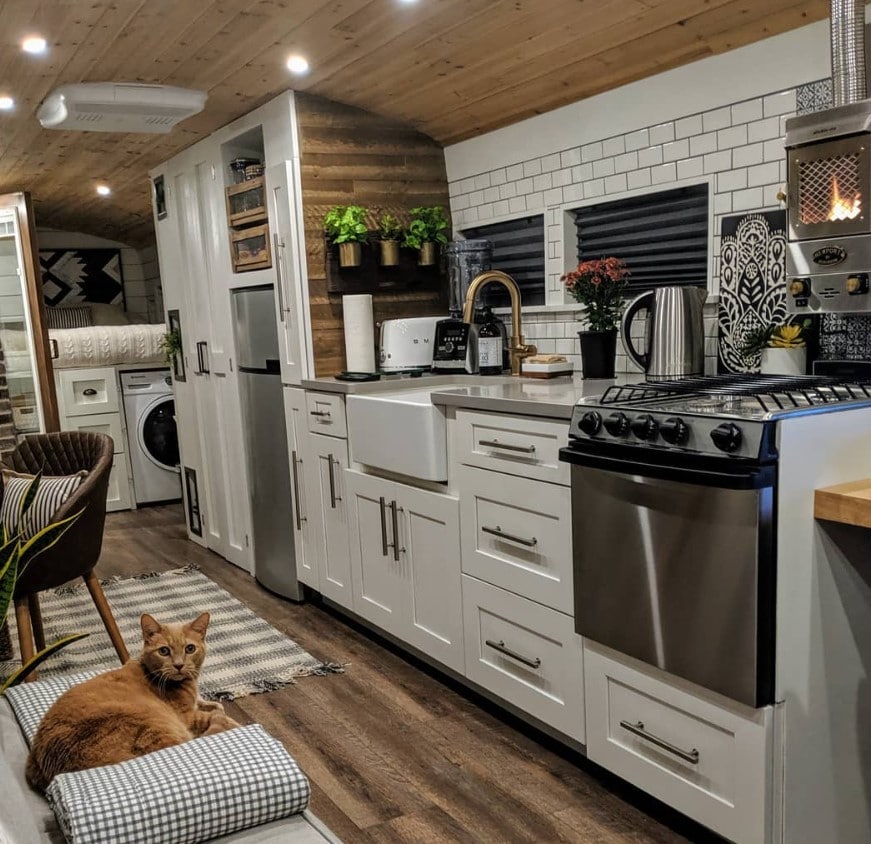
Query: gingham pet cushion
[
  {"x": 205, "y": 788},
  {"x": 30, "y": 701},
  {"x": 53, "y": 491}
]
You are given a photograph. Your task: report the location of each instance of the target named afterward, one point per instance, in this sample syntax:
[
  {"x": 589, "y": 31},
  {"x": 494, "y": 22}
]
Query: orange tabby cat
[{"x": 150, "y": 703}]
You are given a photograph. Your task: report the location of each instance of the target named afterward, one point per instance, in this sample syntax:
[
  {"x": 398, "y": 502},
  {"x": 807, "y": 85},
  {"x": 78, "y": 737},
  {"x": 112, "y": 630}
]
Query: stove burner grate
[{"x": 771, "y": 392}]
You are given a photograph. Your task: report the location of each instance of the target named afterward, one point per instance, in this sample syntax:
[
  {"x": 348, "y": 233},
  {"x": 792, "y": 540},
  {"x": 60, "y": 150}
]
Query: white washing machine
[{"x": 151, "y": 435}]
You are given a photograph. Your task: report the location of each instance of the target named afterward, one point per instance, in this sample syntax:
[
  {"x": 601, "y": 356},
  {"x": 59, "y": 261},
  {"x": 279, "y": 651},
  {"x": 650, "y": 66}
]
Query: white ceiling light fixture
[
  {"x": 35, "y": 45},
  {"x": 298, "y": 65},
  {"x": 104, "y": 190},
  {"x": 6, "y": 103}
]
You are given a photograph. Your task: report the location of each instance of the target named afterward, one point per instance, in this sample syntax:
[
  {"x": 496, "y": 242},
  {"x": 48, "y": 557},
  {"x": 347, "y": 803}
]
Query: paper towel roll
[{"x": 359, "y": 333}]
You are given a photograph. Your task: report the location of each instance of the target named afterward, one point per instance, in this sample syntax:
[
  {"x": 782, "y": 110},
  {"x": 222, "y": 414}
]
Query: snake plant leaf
[
  {"x": 45, "y": 539},
  {"x": 34, "y": 662},
  {"x": 8, "y": 574},
  {"x": 29, "y": 498}
]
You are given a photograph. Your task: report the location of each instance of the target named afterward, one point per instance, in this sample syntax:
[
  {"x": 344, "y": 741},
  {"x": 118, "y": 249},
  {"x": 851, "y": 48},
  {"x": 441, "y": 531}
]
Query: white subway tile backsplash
[
  {"x": 717, "y": 161},
  {"x": 476, "y": 198},
  {"x": 603, "y": 167},
  {"x": 782, "y": 103},
  {"x": 663, "y": 173},
  {"x": 553, "y": 197},
  {"x": 491, "y": 195},
  {"x": 582, "y": 172},
  {"x": 649, "y": 156},
  {"x": 703, "y": 144},
  {"x": 687, "y": 126},
  {"x": 535, "y": 202},
  {"x": 502, "y": 208},
  {"x": 774, "y": 150},
  {"x": 561, "y": 177},
  {"x": 638, "y": 179},
  {"x": 498, "y": 177},
  {"x": 485, "y": 211},
  {"x": 614, "y": 146},
  {"x": 590, "y": 152},
  {"x": 690, "y": 168},
  {"x": 525, "y": 186},
  {"x": 482, "y": 181},
  {"x": 734, "y": 136},
  {"x": 718, "y": 119},
  {"x": 570, "y": 157},
  {"x": 675, "y": 150},
  {"x": 595, "y": 187},
  {"x": 532, "y": 167},
  {"x": 514, "y": 172},
  {"x": 507, "y": 190},
  {"x": 637, "y": 140},
  {"x": 517, "y": 204},
  {"x": 662, "y": 134},
  {"x": 763, "y": 130},
  {"x": 460, "y": 203},
  {"x": 573, "y": 193},
  {"x": 542, "y": 182},
  {"x": 616, "y": 184},
  {"x": 467, "y": 185},
  {"x": 551, "y": 162},
  {"x": 763, "y": 174},
  {"x": 747, "y": 111},
  {"x": 730, "y": 180},
  {"x": 626, "y": 162},
  {"x": 723, "y": 203},
  {"x": 748, "y": 156},
  {"x": 746, "y": 200}
]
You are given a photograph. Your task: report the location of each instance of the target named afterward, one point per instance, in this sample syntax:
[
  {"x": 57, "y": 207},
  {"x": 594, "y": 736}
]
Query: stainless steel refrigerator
[{"x": 257, "y": 357}]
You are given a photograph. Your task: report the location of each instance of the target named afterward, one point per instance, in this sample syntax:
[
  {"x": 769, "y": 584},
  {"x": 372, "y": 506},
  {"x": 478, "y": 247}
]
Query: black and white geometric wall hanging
[
  {"x": 752, "y": 283},
  {"x": 76, "y": 276}
]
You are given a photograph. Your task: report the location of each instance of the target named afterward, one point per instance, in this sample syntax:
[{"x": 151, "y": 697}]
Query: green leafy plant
[
  {"x": 429, "y": 224},
  {"x": 599, "y": 286},
  {"x": 346, "y": 224},
  {"x": 16, "y": 554},
  {"x": 791, "y": 335},
  {"x": 389, "y": 227},
  {"x": 170, "y": 344}
]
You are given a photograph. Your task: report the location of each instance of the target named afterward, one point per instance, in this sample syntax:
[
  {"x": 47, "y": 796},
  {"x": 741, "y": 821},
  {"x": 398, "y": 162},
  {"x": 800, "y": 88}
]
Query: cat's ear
[
  {"x": 150, "y": 625},
  {"x": 200, "y": 624}
]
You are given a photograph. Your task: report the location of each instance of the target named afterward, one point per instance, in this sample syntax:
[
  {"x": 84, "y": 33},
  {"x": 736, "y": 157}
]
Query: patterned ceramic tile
[
  {"x": 752, "y": 283},
  {"x": 814, "y": 96}
]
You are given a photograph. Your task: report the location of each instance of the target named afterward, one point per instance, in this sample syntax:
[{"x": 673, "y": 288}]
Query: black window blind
[
  {"x": 662, "y": 236},
  {"x": 518, "y": 249}
]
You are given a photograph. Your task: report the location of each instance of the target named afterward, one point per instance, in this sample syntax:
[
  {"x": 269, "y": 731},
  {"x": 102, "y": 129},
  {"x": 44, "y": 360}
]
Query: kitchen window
[
  {"x": 662, "y": 236},
  {"x": 518, "y": 249}
]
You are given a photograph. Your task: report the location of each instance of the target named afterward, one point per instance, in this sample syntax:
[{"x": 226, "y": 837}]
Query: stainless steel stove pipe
[{"x": 848, "y": 51}]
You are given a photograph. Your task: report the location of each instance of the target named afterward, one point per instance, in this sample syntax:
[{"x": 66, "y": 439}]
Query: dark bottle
[{"x": 489, "y": 345}]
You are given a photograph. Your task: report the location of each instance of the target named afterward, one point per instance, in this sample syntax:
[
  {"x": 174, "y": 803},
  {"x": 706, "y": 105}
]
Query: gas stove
[{"x": 725, "y": 416}]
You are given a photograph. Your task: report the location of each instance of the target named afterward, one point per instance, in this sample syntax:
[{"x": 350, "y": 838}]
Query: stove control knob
[
  {"x": 590, "y": 422},
  {"x": 857, "y": 285},
  {"x": 800, "y": 287},
  {"x": 727, "y": 437},
  {"x": 617, "y": 424},
  {"x": 449, "y": 346},
  {"x": 644, "y": 427},
  {"x": 674, "y": 430}
]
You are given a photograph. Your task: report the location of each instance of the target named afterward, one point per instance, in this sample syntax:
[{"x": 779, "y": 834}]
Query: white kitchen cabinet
[
  {"x": 405, "y": 564},
  {"x": 708, "y": 759},
  {"x": 325, "y": 488},
  {"x": 304, "y": 529}
]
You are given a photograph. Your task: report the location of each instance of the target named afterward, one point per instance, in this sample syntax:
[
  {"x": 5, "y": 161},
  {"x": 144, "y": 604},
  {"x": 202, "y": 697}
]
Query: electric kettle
[{"x": 675, "y": 336}]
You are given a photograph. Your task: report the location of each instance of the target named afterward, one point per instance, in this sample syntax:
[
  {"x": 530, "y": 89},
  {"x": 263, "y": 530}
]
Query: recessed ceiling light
[
  {"x": 6, "y": 103},
  {"x": 297, "y": 64},
  {"x": 104, "y": 190},
  {"x": 34, "y": 44}
]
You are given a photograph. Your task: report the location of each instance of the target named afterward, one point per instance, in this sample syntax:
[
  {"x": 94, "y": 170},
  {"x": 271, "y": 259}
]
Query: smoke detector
[{"x": 118, "y": 107}]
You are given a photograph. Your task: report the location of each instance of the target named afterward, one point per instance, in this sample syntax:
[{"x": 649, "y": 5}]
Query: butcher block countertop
[{"x": 848, "y": 503}]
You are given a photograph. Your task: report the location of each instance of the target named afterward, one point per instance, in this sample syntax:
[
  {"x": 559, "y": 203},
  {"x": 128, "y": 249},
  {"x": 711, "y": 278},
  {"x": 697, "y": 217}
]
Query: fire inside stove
[{"x": 830, "y": 189}]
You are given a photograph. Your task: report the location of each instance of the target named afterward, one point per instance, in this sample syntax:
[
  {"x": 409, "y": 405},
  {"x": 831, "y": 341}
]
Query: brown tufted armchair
[{"x": 78, "y": 550}]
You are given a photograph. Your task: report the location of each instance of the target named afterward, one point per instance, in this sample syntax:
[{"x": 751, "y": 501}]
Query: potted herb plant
[
  {"x": 780, "y": 349},
  {"x": 599, "y": 286},
  {"x": 345, "y": 225},
  {"x": 389, "y": 231},
  {"x": 428, "y": 229},
  {"x": 170, "y": 344}
]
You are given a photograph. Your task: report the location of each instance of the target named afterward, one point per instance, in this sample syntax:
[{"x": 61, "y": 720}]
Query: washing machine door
[{"x": 158, "y": 437}]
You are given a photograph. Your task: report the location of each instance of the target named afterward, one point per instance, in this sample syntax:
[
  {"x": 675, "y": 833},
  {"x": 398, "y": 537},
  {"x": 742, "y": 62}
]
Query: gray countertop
[{"x": 553, "y": 398}]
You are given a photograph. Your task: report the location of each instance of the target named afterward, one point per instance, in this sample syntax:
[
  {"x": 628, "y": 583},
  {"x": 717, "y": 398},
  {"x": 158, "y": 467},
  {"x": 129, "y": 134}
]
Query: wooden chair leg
[
  {"x": 105, "y": 612},
  {"x": 36, "y": 620},
  {"x": 25, "y": 633}
]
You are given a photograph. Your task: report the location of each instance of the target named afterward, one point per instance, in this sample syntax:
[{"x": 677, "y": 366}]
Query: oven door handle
[{"x": 759, "y": 477}]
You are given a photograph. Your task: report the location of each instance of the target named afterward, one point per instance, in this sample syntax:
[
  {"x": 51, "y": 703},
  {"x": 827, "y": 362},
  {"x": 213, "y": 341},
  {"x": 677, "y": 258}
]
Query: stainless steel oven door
[{"x": 677, "y": 574}]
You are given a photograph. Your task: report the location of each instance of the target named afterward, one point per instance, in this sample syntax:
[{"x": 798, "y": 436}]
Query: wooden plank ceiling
[{"x": 450, "y": 68}]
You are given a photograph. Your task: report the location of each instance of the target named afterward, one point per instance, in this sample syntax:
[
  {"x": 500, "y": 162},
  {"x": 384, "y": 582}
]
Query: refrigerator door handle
[{"x": 279, "y": 280}]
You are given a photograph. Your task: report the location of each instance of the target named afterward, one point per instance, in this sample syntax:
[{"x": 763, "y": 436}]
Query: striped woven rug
[{"x": 245, "y": 654}]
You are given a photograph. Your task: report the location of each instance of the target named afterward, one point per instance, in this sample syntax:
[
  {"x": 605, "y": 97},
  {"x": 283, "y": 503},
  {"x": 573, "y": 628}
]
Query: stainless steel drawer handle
[
  {"x": 395, "y": 513},
  {"x": 299, "y": 517},
  {"x": 497, "y": 531},
  {"x": 320, "y": 412},
  {"x": 384, "y": 544},
  {"x": 90, "y": 391},
  {"x": 637, "y": 729},
  {"x": 500, "y": 646},
  {"x": 518, "y": 449},
  {"x": 333, "y": 497}
]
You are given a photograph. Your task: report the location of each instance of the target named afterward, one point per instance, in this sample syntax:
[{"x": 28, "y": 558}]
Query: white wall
[
  {"x": 719, "y": 120},
  {"x": 139, "y": 268}
]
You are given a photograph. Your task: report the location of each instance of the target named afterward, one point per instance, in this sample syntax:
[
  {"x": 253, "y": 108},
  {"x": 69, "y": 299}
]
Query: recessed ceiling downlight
[
  {"x": 104, "y": 190},
  {"x": 6, "y": 103},
  {"x": 297, "y": 65},
  {"x": 34, "y": 45}
]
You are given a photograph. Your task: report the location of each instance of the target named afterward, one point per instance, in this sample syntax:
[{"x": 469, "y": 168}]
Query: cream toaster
[{"x": 407, "y": 343}]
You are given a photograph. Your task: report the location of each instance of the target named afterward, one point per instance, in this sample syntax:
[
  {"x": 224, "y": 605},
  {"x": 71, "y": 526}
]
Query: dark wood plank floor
[{"x": 393, "y": 753}]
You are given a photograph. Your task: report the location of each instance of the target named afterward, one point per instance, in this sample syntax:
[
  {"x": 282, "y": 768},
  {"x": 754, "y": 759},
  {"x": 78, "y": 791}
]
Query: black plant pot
[{"x": 598, "y": 351}]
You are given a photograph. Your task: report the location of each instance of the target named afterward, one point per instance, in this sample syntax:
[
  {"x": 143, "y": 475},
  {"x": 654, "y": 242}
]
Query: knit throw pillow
[{"x": 52, "y": 493}]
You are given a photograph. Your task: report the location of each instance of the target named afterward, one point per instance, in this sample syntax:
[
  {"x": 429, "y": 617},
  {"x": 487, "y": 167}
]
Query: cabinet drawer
[
  {"x": 705, "y": 760},
  {"x": 100, "y": 423},
  {"x": 326, "y": 414},
  {"x": 518, "y": 445},
  {"x": 516, "y": 533},
  {"x": 86, "y": 391},
  {"x": 525, "y": 653}
]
